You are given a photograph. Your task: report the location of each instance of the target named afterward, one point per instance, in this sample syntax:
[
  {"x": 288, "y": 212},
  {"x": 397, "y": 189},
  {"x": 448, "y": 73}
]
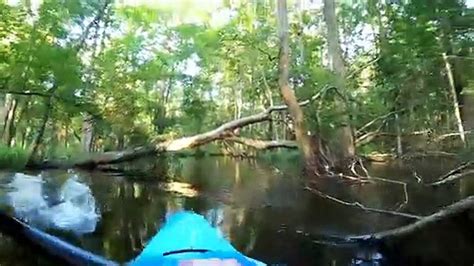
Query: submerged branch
[
  {"x": 361, "y": 206},
  {"x": 452, "y": 178},
  {"x": 445, "y": 213},
  {"x": 456, "y": 170}
]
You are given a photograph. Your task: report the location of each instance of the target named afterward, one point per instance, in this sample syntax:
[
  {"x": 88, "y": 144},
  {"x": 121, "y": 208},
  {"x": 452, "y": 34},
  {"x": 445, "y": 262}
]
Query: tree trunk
[
  {"x": 87, "y": 133},
  {"x": 272, "y": 133},
  {"x": 300, "y": 8},
  {"x": 10, "y": 122},
  {"x": 304, "y": 141},
  {"x": 336, "y": 64},
  {"x": 44, "y": 122},
  {"x": 454, "y": 97},
  {"x": 6, "y": 110},
  {"x": 399, "y": 135}
]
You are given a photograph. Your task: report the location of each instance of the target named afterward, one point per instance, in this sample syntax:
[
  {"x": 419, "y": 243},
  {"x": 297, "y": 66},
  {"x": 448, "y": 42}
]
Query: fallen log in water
[
  {"x": 465, "y": 205},
  {"x": 223, "y": 132},
  {"x": 443, "y": 238}
]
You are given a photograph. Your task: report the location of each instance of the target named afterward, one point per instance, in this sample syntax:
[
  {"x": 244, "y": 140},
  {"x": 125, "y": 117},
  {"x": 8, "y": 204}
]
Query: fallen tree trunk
[{"x": 225, "y": 131}]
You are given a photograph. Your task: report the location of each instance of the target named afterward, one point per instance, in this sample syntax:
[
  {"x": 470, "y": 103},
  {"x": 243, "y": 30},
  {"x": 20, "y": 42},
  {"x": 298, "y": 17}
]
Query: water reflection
[{"x": 264, "y": 212}]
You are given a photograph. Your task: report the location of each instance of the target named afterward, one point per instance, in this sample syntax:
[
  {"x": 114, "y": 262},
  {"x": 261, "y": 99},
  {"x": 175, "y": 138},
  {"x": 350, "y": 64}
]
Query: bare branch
[
  {"x": 264, "y": 144},
  {"x": 429, "y": 154},
  {"x": 27, "y": 93},
  {"x": 453, "y": 178},
  {"x": 454, "y": 134},
  {"x": 359, "y": 69},
  {"x": 364, "y": 139},
  {"x": 445, "y": 213},
  {"x": 456, "y": 170},
  {"x": 362, "y": 207},
  {"x": 382, "y": 117}
]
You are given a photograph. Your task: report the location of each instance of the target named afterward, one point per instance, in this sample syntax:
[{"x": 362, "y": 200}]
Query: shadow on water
[{"x": 264, "y": 212}]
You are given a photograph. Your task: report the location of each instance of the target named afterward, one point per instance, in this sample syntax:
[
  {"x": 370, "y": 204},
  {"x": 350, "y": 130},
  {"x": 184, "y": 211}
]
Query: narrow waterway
[{"x": 261, "y": 208}]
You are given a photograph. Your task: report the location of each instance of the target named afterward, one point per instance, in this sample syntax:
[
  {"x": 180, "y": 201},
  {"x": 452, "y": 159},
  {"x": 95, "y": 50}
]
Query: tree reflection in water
[{"x": 264, "y": 212}]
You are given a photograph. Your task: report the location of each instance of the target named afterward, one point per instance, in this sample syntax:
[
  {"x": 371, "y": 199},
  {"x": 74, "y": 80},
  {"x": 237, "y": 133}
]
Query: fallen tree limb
[
  {"x": 445, "y": 213},
  {"x": 369, "y": 136},
  {"x": 264, "y": 144},
  {"x": 452, "y": 178},
  {"x": 364, "y": 66},
  {"x": 456, "y": 170},
  {"x": 429, "y": 154},
  {"x": 362, "y": 207},
  {"x": 224, "y": 131},
  {"x": 455, "y": 134},
  {"x": 379, "y": 157},
  {"x": 382, "y": 117}
]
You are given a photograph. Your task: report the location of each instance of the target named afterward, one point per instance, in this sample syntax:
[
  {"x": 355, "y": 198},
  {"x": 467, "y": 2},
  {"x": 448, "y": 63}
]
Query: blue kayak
[{"x": 187, "y": 237}]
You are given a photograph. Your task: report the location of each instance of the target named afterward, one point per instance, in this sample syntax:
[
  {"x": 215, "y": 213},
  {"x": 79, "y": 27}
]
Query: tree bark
[
  {"x": 6, "y": 110},
  {"x": 454, "y": 97},
  {"x": 264, "y": 144},
  {"x": 10, "y": 122},
  {"x": 399, "y": 135},
  {"x": 87, "y": 133},
  {"x": 39, "y": 136},
  {"x": 310, "y": 153},
  {"x": 336, "y": 64}
]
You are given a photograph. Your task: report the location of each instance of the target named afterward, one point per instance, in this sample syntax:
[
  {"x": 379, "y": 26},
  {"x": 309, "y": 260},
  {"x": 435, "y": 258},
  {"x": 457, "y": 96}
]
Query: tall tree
[
  {"x": 336, "y": 64},
  {"x": 305, "y": 144}
]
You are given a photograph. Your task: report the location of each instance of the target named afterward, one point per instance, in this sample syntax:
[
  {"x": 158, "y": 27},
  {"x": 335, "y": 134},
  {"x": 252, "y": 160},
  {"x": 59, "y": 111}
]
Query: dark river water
[{"x": 260, "y": 206}]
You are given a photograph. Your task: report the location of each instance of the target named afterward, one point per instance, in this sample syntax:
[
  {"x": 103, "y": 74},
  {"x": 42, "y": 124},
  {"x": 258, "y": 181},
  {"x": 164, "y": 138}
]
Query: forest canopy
[{"x": 94, "y": 76}]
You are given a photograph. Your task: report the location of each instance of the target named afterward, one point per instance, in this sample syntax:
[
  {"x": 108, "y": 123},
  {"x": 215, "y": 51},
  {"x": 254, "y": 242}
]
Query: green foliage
[
  {"x": 144, "y": 72},
  {"x": 12, "y": 157}
]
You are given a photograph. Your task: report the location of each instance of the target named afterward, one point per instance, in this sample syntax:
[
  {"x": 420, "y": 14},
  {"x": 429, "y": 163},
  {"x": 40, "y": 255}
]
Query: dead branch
[
  {"x": 379, "y": 157},
  {"x": 454, "y": 134},
  {"x": 452, "y": 178},
  {"x": 382, "y": 117},
  {"x": 359, "y": 69},
  {"x": 264, "y": 144},
  {"x": 456, "y": 170},
  {"x": 357, "y": 204},
  {"x": 368, "y": 137},
  {"x": 445, "y": 213},
  {"x": 412, "y": 155}
]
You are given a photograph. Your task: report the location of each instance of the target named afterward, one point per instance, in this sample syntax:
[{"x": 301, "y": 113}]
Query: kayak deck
[{"x": 187, "y": 236}]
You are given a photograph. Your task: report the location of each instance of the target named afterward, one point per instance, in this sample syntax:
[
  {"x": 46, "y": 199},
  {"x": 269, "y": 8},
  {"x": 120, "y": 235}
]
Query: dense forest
[{"x": 80, "y": 77}]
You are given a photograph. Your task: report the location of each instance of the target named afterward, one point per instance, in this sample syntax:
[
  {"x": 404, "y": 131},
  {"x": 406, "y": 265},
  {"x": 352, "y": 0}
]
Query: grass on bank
[{"x": 12, "y": 157}]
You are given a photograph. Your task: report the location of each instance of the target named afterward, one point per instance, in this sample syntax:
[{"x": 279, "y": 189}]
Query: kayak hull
[{"x": 188, "y": 236}]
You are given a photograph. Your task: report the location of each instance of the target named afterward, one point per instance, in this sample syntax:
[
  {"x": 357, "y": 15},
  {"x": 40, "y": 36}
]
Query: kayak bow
[{"x": 187, "y": 236}]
